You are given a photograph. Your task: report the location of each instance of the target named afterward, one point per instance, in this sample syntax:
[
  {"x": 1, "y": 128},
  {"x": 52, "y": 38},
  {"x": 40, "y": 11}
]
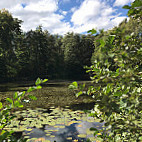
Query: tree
[
  {"x": 77, "y": 54},
  {"x": 9, "y": 27},
  {"x": 34, "y": 53},
  {"x": 56, "y": 57}
]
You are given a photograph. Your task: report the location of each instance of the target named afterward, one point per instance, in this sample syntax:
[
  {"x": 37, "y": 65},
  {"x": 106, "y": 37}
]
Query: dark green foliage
[
  {"x": 26, "y": 56},
  {"x": 77, "y": 53},
  {"x": 9, "y": 28}
]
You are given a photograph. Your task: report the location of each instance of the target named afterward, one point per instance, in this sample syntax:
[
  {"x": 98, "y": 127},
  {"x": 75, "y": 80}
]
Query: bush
[{"x": 117, "y": 83}]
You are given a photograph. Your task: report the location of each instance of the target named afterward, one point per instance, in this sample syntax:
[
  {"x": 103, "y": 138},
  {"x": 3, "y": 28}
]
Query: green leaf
[
  {"x": 130, "y": 12},
  {"x": 127, "y": 37},
  {"x": 15, "y": 95},
  {"x": 102, "y": 42},
  {"x": 32, "y": 97},
  {"x": 1, "y": 106},
  {"x": 96, "y": 132},
  {"x": 111, "y": 38},
  {"x": 18, "y": 104},
  {"x": 31, "y": 89},
  {"x": 118, "y": 70},
  {"x": 111, "y": 55},
  {"x": 96, "y": 70},
  {"x": 93, "y": 129},
  {"x": 118, "y": 94},
  {"x": 73, "y": 86},
  {"x": 38, "y": 81},
  {"x": 82, "y": 87},
  {"x": 45, "y": 80},
  {"x": 9, "y": 100},
  {"x": 38, "y": 87},
  {"x": 79, "y": 93},
  {"x": 93, "y": 31},
  {"x": 126, "y": 7}
]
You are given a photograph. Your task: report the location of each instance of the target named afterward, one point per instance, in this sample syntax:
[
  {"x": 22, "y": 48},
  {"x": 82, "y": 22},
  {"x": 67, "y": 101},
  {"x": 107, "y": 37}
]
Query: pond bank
[{"x": 52, "y": 94}]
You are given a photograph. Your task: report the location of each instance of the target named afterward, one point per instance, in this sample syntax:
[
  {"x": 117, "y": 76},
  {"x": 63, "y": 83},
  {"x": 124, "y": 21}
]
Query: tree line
[{"x": 37, "y": 53}]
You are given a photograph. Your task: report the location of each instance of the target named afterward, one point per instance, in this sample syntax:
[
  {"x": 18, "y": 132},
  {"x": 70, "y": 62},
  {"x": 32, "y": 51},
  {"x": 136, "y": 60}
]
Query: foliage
[
  {"x": 117, "y": 83},
  {"x": 16, "y": 102},
  {"x": 9, "y": 28},
  {"x": 77, "y": 54},
  {"x": 135, "y": 10},
  {"x": 47, "y": 55}
]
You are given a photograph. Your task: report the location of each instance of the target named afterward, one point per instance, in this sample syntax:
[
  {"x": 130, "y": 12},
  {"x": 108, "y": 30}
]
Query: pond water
[
  {"x": 55, "y": 125},
  {"x": 56, "y": 116}
]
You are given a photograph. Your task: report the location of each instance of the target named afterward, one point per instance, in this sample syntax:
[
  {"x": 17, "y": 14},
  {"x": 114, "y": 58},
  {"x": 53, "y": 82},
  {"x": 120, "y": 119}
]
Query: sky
[{"x": 62, "y": 16}]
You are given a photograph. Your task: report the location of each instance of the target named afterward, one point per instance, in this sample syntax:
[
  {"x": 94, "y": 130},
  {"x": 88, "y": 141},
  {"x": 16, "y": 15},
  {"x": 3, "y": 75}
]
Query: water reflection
[
  {"x": 67, "y": 134},
  {"x": 65, "y": 126}
]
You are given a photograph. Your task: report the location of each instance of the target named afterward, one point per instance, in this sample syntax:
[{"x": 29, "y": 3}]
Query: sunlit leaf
[
  {"x": 1, "y": 106},
  {"x": 38, "y": 81},
  {"x": 31, "y": 89},
  {"x": 93, "y": 31},
  {"x": 9, "y": 100}
]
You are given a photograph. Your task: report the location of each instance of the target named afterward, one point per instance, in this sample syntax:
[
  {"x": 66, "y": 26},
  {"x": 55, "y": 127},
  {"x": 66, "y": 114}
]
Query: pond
[
  {"x": 57, "y": 116},
  {"x": 54, "y": 125}
]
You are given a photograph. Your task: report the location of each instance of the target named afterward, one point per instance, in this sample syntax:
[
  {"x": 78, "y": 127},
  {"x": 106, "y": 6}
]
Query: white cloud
[
  {"x": 73, "y": 9},
  {"x": 116, "y": 21},
  {"x": 95, "y": 14},
  {"x": 122, "y": 2},
  {"x": 39, "y": 12},
  {"x": 63, "y": 12},
  {"x": 42, "y": 6},
  {"x": 91, "y": 14},
  {"x": 89, "y": 9}
]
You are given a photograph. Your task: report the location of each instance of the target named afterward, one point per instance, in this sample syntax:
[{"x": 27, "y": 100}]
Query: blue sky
[{"x": 62, "y": 16}]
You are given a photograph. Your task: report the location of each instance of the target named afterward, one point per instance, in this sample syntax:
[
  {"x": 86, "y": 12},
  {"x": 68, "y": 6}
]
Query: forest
[
  {"x": 111, "y": 59},
  {"x": 32, "y": 54}
]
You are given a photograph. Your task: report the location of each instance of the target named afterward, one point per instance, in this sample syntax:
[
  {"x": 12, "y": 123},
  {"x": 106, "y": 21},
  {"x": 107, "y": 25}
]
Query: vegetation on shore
[{"x": 116, "y": 74}]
